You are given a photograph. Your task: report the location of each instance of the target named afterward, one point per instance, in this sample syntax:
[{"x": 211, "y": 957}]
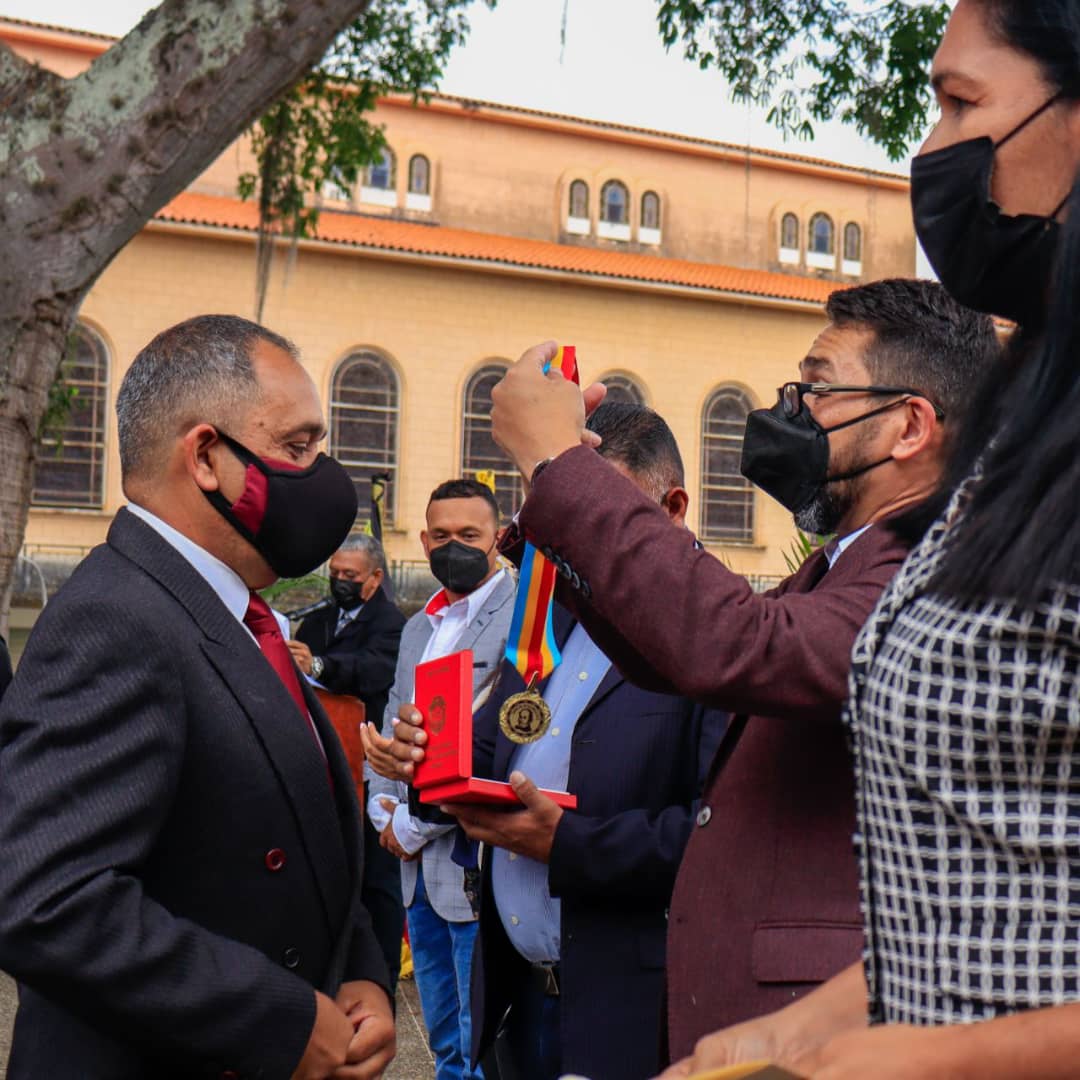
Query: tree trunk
[{"x": 86, "y": 162}]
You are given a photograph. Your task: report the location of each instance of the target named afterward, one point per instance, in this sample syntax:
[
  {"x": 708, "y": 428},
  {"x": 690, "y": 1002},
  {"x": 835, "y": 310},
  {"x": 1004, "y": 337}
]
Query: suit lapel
[
  {"x": 295, "y": 757},
  {"x": 363, "y": 616},
  {"x": 804, "y": 580},
  {"x": 500, "y": 596},
  {"x": 613, "y": 678},
  {"x": 269, "y": 707},
  {"x": 563, "y": 623}
]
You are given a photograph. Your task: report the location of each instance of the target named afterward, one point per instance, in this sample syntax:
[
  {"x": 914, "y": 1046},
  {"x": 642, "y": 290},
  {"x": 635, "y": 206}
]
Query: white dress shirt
[
  {"x": 227, "y": 584},
  {"x": 448, "y": 623},
  {"x": 834, "y": 551}
]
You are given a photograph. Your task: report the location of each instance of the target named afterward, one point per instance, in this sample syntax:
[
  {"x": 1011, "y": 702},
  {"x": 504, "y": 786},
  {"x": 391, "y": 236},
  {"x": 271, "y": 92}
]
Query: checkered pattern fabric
[{"x": 964, "y": 723}]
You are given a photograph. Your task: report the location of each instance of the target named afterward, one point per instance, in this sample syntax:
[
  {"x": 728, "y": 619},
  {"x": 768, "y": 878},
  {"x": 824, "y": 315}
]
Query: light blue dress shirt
[{"x": 529, "y": 914}]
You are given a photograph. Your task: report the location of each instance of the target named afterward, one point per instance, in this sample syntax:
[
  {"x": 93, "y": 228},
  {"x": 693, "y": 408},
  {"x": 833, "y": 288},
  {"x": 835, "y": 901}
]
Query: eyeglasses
[{"x": 791, "y": 394}]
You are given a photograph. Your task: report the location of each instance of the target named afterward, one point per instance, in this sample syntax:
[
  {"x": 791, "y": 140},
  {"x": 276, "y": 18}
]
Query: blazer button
[
  {"x": 275, "y": 860},
  {"x": 704, "y": 817},
  {"x": 291, "y": 958}
]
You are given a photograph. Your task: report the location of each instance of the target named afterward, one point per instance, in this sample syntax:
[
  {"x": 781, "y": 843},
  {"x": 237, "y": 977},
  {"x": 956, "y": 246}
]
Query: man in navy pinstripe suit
[
  {"x": 180, "y": 850},
  {"x": 573, "y": 919}
]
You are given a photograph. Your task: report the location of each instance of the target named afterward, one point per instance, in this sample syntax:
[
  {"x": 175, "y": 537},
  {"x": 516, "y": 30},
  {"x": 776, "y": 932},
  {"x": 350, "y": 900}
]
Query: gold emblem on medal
[{"x": 525, "y": 717}]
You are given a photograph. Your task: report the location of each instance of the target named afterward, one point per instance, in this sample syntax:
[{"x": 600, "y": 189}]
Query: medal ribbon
[
  {"x": 531, "y": 645},
  {"x": 566, "y": 362}
]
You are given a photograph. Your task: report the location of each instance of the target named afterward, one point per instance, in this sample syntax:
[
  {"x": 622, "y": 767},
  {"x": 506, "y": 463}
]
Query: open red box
[{"x": 443, "y": 695}]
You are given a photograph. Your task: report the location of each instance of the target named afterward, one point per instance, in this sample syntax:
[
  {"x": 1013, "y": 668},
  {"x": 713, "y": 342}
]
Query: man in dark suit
[
  {"x": 351, "y": 647},
  {"x": 766, "y": 905},
  {"x": 180, "y": 854},
  {"x": 574, "y": 903}
]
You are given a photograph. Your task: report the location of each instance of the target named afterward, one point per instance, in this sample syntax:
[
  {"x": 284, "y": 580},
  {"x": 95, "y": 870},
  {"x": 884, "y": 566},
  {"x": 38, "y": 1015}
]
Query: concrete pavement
[{"x": 413, "y": 1061}]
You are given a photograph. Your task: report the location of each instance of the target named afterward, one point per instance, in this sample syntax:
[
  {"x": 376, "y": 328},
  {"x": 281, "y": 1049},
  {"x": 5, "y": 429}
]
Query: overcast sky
[{"x": 614, "y": 67}]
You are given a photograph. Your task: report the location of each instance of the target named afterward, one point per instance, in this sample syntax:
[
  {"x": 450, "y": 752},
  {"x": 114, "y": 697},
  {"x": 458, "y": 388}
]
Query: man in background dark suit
[
  {"x": 351, "y": 647},
  {"x": 180, "y": 854},
  {"x": 767, "y": 904}
]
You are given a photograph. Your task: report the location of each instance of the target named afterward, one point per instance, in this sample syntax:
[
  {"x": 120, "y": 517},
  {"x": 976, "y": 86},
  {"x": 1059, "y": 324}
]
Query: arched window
[
  {"x": 615, "y": 203},
  {"x": 419, "y": 175},
  {"x": 70, "y": 468},
  {"x": 789, "y": 232},
  {"x": 822, "y": 235},
  {"x": 364, "y": 406},
  {"x": 622, "y": 389},
  {"x": 579, "y": 199},
  {"x": 852, "y": 242},
  {"x": 650, "y": 211},
  {"x": 335, "y": 187},
  {"x": 727, "y": 497},
  {"x": 380, "y": 174},
  {"x": 479, "y": 451}
]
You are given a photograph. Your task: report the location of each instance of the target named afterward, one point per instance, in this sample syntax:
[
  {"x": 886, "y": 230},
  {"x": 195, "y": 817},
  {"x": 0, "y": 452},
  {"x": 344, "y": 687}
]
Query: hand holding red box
[{"x": 443, "y": 696}]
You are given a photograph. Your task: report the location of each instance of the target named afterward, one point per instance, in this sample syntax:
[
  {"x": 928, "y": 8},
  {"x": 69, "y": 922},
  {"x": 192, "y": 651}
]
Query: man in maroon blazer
[{"x": 766, "y": 903}]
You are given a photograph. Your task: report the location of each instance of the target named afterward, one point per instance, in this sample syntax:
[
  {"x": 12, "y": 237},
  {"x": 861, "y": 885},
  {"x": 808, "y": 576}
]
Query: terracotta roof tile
[{"x": 388, "y": 234}]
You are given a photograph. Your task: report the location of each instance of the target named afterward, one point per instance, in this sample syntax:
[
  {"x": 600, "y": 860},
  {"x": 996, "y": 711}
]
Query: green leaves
[
  {"x": 809, "y": 61},
  {"x": 801, "y": 548},
  {"x": 320, "y": 131}
]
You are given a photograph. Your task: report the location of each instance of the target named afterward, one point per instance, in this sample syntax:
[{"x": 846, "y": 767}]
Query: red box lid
[{"x": 443, "y": 695}]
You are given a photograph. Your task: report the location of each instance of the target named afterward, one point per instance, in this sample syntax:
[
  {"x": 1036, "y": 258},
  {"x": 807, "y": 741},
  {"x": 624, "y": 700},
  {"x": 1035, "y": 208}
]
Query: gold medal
[{"x": 525, "y": 717}]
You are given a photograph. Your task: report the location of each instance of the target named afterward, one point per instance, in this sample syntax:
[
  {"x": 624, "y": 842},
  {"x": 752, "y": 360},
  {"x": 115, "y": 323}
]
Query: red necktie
[{"x": 260, "y": 620}]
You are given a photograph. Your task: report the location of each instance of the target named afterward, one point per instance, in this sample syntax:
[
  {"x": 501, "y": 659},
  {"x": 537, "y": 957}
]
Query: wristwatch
[
  {"x": 317, "y": 666},
  {"x": 538, "y": 468}
]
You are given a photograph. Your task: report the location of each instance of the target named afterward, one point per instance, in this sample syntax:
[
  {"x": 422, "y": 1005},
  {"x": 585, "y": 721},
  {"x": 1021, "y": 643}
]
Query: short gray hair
[
  {"x": 367, "y": 545},
  {"x": 197, "y": 371}
]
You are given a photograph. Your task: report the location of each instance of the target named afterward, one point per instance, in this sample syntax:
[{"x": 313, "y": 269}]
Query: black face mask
[
  {"x": 989, "y": 261},
  {"x": 789, "y": 458},
  {"x": 294, "y": 518},
  {"x": 458, "y": 567},
  {"x": 346, "y": 594}
]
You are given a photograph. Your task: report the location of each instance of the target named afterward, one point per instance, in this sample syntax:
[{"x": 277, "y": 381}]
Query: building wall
[
  {"x": 503, "y": 171},
  {"x": 507, "y": 171},
  {"x": 437, "y": 325},
  {"x": 500, "y": 172}
]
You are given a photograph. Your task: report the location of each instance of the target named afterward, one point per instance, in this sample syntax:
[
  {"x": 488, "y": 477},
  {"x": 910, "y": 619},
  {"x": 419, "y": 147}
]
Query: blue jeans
[{"x": 442, "y": 958}]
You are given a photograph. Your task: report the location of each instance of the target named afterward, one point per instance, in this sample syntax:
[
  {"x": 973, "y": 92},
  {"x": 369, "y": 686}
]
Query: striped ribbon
[
  {"x": 531, "y": 646},
  {"x": 566, "y": 361}
]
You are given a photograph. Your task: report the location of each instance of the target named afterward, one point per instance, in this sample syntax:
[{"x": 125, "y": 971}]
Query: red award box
[{"x": 443, "y": 695}]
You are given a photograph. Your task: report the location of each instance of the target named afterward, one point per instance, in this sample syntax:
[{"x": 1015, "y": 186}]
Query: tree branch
[
  {"x": 13, "y": 71},
  {"x": 85, "y": 163}
]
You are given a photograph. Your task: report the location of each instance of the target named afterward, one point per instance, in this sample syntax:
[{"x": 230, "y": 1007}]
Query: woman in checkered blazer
[{"x": 965, "y": 704}]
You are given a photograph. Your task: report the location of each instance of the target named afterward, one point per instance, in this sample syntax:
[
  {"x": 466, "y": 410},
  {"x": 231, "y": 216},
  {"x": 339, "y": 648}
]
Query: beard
[
  {"x": 833, "y": 500},
  {"x": 825, "y": 511}
]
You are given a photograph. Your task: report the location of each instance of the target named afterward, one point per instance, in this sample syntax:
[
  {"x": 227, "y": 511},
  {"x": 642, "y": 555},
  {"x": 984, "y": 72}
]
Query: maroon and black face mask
[{"x": 294, "y": 518}]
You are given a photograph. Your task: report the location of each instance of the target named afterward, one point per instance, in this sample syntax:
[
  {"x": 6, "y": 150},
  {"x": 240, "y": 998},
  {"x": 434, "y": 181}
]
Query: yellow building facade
[{"x": 690, "y": 275}]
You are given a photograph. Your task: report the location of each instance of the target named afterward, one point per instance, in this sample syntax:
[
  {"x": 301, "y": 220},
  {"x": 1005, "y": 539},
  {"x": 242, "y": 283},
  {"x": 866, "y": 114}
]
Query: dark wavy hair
[
  {"x": 466, "y": 488},
  {"x": 1020, "y": 535}
]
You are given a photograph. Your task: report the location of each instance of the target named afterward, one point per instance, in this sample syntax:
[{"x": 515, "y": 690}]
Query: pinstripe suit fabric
[{"x": 150, "y": 762}]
